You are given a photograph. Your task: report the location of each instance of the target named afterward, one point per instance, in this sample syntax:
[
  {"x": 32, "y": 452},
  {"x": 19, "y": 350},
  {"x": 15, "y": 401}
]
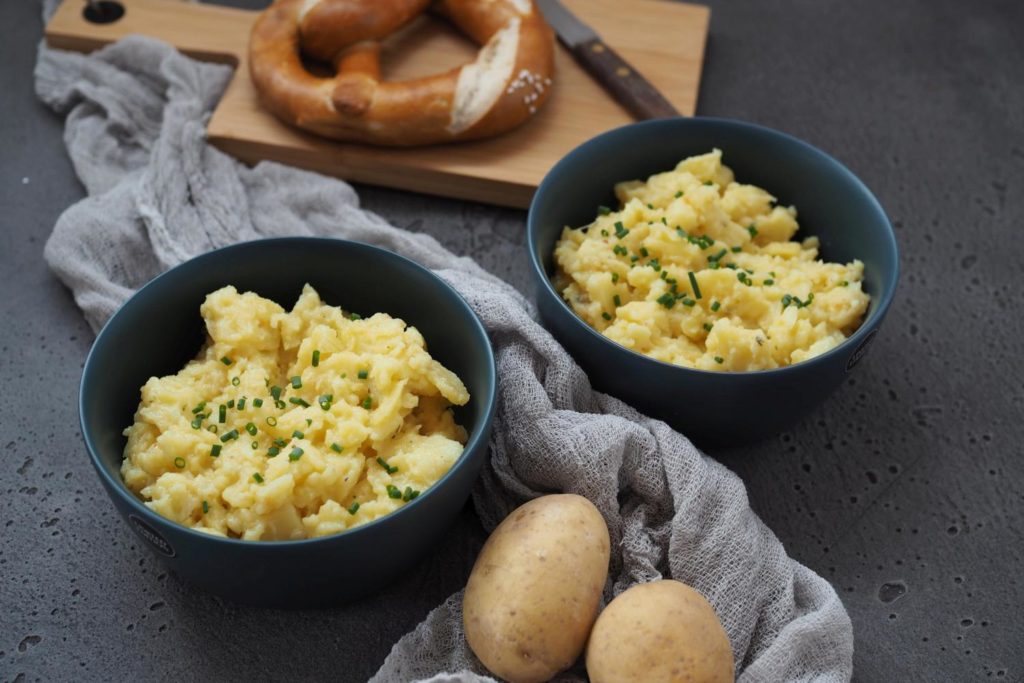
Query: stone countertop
[{"x": 905, "y": 489}]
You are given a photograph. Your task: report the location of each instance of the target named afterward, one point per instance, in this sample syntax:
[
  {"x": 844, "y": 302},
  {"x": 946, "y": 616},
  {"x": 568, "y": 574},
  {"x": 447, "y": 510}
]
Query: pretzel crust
[{"x": 508, "y": 82}]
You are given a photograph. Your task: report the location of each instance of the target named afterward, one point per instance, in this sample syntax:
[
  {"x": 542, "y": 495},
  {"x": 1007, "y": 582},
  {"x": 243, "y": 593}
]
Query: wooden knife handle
[{"x": 623, "y": 82}]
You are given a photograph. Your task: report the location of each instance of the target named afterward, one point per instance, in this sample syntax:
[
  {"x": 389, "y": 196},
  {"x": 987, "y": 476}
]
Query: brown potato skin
[
  {"x": 536, "y": 588},
  {"x": 659, "y": 632}
]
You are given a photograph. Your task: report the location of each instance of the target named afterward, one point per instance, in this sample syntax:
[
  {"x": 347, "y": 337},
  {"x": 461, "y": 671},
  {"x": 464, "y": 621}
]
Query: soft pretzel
[{"x": 507, "y": 83}]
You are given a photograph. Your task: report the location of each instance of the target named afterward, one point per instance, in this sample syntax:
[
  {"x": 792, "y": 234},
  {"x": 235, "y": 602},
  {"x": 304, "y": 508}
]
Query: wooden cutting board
[{"x": 664, "y": 40}]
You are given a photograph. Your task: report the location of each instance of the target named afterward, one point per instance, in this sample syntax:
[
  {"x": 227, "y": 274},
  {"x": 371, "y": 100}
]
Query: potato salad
[
  {"x": 291, "y": 425},
  {"x": 698, "y": 270}
]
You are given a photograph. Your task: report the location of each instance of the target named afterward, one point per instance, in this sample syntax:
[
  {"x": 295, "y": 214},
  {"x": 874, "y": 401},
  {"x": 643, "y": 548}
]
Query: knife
[{"x": 634, "y": 92}]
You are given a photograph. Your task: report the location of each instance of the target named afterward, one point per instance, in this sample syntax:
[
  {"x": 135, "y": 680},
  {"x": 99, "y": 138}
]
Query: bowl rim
[
  {"x": 476, "y": 438},
  {"x": 867, "y": 327}
]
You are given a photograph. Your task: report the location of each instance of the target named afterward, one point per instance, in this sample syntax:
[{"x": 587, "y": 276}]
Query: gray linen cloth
[{"x": 158, "y": 195}]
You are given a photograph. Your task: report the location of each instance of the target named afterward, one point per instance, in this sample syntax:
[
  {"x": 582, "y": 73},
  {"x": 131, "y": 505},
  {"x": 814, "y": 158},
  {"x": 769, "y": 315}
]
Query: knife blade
[{"x": 623, "y": 82}]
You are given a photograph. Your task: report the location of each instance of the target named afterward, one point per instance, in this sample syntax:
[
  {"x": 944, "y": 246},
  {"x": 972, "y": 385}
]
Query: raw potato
[
  {"x": 536, "y": 588},
  {"x": 659, "y": 632}
]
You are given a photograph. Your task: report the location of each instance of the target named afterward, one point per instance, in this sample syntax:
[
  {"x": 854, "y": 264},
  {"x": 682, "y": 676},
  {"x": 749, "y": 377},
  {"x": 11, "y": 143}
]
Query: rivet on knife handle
[{"x": 622, "y": 81}]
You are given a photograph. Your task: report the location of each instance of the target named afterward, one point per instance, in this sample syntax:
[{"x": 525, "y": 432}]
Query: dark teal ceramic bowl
[
  {"x": 160, "y": 328},
  {"x": 715, "y": 408}
]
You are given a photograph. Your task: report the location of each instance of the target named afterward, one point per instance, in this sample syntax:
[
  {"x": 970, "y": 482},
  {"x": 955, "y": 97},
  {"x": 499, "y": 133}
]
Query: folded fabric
[{"x": 158, "y": 194}]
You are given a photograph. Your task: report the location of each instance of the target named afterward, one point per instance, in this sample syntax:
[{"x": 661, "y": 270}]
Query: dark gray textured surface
[{"x": 913, "y": 474}]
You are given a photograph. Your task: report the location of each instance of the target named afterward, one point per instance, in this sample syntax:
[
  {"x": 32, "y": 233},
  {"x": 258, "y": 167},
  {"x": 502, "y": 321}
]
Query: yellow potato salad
[
  {"x": 291, "y": 425},
  {"x": 701, "y": 271}
]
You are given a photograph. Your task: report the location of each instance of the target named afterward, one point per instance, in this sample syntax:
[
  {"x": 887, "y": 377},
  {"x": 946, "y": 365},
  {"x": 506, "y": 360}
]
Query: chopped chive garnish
[
  {"x": 718, "y": 256},
  {"x": 257, "y": 402},
  {"x": 667, "y": 300},
  {"x": 308, "y": 422},
  {"x": 844, "y": 283},
  {"x": 715, "y": 305},
  {"x": 222, "y": 414},
  {"x": 752, "y": 230},
  {"x": 719, "y": 360},
  {"x": 650, "y": 206},
  {"x": 296, "y": 382},
  {"x": 197, "y": 422},
  {"x": 199, "y": 408},
  {"x": 273, "y": 451},
  {"x": 606, "y": 315},
  {"x": 206, "y": 507},
  {"x": 620, "y": 230},
  {"x": 298, "y": 401},
  {"x": 215, "y": 450},
  {"x": 295, "y": 454},
  {"x": 615, "y": 277},
  {"x": 231, "y": 403},
  {"x": 298, "y": 435},
  {"x": 271, "y": 420},
  {"x": 689, "y": 302},
  {"x": 228, "y": 436},
  {"x": 620, "y": 250},
  {"x": 241, "y": 403},
  {"x": 731, "y": 266},
  {"x": 694, "y": 285},
  {"x": 226, "y": 361},
  {"x": 604, "y": 233},
  {"x": 702, "y": 241},
  {"x": 663, "y": 221},
  {"x": 388, "y": 468},
  {"x": 708, "y": 326},
  {"x": 708, "y": 183},
  {"x": 325, "y": 401},
  {"x": 316, "y": 358},
  {"x": 275, "y": 391},
  {"x": 353, "y": 508},
  {"x": 255, "y": 445},
  {"x": 737, "y": 250},
  {"x": 336, "y": 447},
  {"x": 367, "y": 402},
  {"x": 179, "y": 462},
  {"x": 212, "y": 429},
  {"x": 787, "y": 299},
  {"x": 409, "y": 494},
  {"x": 634, "y": 258},
  {"x": 280, "y": 405},
  {"x": 655, "y": 263},
  {"x": 251, "y": 428},
  {"x": 603, "y": 210},
  {"x": 394, "y": 491},
  {"x": 354, "y": 316},
  {"x": 769, "y": 281},
  {"x": 643, "y": 252},
  {"x": 257, "y": 477},
  {"x": 280, "y": 443},
  {"x": 363, "y": 374},
  {"x": 679, "y": 194},
  {"x": 235, "y": 381},
  {"x": 617, "y": 300}
]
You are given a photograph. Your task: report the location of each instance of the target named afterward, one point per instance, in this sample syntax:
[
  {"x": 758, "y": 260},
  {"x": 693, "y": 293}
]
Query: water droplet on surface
[{"x": 892, "y": 591}]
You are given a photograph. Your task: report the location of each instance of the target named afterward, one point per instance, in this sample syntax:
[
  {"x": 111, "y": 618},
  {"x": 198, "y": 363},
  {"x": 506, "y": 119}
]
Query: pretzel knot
[{"x": 507, "y": 83}]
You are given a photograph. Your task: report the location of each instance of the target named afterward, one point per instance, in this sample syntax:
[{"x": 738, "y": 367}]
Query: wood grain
[{"x": 663, "y": 40}]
